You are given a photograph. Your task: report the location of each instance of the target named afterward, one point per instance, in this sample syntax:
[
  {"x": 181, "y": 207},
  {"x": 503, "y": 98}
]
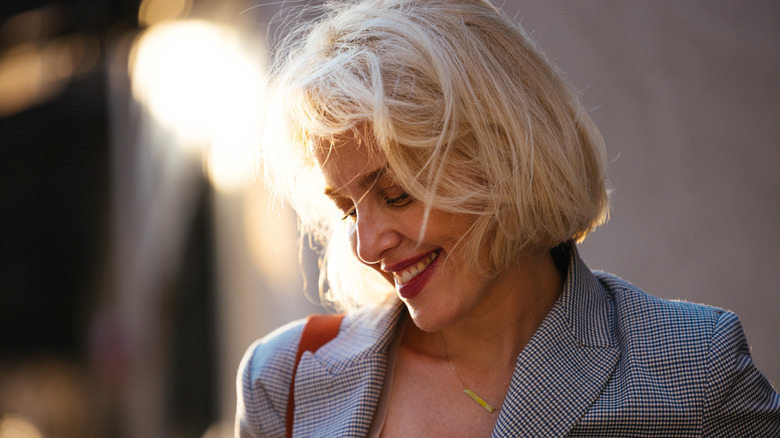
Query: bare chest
[{"x": 427, "y": 399}]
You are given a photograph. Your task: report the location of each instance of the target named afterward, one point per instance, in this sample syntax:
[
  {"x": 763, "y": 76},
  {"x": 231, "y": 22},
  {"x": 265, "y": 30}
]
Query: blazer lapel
[
  {"x": 566, "y": 364},
  {"x": 338, "y": 387}
]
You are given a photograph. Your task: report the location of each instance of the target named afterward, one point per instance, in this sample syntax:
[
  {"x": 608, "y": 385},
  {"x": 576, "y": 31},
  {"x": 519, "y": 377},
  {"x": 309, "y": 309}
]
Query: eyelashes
[{"x": 398, "y": 201}]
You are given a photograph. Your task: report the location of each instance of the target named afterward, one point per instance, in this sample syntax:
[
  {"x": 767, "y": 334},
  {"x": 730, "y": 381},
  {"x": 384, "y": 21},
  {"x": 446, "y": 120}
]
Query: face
[{"x": 427, "y": 271}]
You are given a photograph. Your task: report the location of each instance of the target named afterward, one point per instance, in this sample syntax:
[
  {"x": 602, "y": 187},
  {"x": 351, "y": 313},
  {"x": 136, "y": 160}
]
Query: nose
[{"x": 374, "y": 236}]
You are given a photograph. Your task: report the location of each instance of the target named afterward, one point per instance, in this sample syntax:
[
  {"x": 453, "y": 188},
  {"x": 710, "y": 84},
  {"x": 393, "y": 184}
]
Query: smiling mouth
[{"x": 406, "y": 275}]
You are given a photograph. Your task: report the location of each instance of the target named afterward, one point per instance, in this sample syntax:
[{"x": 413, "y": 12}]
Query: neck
[{"x": 492, "y": 335}]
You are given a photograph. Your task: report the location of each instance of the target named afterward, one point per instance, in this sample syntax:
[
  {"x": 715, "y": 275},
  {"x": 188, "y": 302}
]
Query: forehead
[{"x": 347, "y": 159}]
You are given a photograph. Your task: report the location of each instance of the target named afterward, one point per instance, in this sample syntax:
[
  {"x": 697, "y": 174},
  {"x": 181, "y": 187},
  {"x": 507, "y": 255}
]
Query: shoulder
[
  {"x": 659, "y": 337},
  {"x": 635, "y": 308},
  {"x": 263, "y": 381},
  {"x": 692, "y": 355},
  {"x": 662, "y": 333},
  {"x": 265, "y": 373},
  {"x": 271, "y": 358}
]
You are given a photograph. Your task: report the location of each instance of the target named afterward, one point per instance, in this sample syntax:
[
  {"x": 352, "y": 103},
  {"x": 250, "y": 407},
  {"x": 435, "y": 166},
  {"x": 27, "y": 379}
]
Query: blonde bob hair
[{"x": 468, "y": 113}]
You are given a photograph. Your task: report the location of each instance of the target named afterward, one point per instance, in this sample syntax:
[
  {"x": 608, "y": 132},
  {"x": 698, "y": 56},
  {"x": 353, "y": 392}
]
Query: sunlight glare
[{"x": 196, "y": 79}]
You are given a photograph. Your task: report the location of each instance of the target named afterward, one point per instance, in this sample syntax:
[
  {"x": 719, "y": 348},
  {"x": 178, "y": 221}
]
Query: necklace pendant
[{"x": 479, "y": 400}]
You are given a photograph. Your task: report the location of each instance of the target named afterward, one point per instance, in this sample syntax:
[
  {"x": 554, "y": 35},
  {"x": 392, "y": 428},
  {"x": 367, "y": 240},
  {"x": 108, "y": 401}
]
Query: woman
[{"x": 437, "y": 145}]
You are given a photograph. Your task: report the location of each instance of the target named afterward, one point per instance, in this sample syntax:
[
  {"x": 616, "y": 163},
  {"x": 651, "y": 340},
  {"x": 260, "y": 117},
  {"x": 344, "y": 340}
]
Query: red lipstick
[{"x": 414, "y": 286}]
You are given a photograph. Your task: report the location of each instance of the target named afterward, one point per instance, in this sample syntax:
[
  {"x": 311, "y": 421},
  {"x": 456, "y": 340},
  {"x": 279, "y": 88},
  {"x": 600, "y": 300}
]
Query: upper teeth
[{"x": 403, "y": 277}]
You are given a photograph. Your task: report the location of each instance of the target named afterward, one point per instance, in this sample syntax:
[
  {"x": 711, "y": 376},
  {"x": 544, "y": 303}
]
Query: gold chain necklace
[{"x": 472, "y": 395}]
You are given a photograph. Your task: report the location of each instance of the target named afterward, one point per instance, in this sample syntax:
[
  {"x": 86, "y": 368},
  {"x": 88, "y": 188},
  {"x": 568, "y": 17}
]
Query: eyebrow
[{"x": 365, "y": 182}]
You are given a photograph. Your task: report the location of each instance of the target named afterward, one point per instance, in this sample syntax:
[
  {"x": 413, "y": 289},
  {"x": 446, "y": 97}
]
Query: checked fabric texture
[{"x": 608, "y": 360}]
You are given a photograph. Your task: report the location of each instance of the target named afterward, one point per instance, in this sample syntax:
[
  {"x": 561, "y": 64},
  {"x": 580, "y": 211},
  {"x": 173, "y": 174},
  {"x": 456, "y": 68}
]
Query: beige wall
[{"x": 686, "y": 95}]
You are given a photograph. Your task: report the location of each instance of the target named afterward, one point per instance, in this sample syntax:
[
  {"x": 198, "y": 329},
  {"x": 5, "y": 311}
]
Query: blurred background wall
[{"x": 138, "y": 255}]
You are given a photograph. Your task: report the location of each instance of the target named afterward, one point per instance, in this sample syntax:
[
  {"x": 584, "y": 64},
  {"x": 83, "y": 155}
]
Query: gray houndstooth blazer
[{"x": 608, "y": 360}]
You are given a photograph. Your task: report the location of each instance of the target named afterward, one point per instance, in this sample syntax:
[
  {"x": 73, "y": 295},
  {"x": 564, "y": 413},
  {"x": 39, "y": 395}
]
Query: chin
[{"x": 425, "y": 321}]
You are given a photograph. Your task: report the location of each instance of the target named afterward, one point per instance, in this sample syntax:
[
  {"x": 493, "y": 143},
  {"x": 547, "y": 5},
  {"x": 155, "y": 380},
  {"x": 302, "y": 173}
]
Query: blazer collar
[
  {"x": 338, "y": 387},
  {"x": 566, "y": 364}
]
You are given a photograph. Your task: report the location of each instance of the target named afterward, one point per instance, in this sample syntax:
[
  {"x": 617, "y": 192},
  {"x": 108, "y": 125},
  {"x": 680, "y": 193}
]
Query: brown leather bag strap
[{"x": 318, "y": 331}]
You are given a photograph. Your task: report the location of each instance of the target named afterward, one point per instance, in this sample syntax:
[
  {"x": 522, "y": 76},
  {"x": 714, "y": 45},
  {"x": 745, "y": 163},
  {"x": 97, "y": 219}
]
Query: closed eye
[
  {"x": 350, "y": 213},
  {"x": 399, "y": 201}
]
